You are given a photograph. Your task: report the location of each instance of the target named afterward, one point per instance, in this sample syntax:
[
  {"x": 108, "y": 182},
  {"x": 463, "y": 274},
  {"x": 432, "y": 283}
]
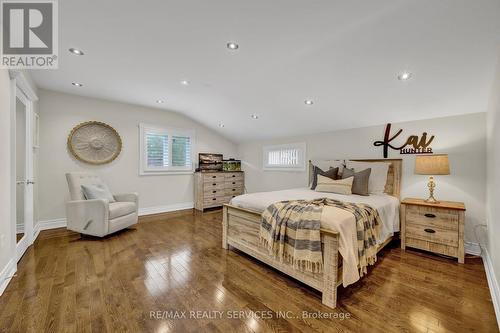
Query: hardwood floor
[{"x": 173, "y": 264}]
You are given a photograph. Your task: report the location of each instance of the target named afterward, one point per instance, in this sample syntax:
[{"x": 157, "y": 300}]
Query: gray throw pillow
[
  {"x": 97, "y": 192},
  {"x": 360, "y": 183},
  {"x": 332, "y": 173}
]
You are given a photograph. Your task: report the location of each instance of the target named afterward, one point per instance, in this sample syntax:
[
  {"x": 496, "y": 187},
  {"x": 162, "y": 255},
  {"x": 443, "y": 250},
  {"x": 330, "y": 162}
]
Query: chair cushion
[
  {"x": 100, "y": 191},
  {"x": 118, "y": 209}
]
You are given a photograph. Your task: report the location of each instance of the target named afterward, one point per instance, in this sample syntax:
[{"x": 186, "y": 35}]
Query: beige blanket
[
  {"x": 290, "y": 231},
  {"x": 344, "y": 223}
]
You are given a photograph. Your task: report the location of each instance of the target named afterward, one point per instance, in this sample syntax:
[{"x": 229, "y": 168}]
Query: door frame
[{"x": 22, "y": 88}]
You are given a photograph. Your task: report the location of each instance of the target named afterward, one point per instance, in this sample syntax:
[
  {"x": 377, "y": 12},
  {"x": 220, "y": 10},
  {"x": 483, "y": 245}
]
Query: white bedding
[
  {"x": 334, "y": 218},
  {"x": 386, "y": 205}
]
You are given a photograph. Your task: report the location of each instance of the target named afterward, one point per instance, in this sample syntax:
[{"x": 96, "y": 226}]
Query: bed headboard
[{"x": 393, "y": 184}]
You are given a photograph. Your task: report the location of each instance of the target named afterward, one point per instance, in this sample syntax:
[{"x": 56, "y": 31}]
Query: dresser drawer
[
  {"x": 233, "y": 183},
  {"x": 214, "y": 201},
  {"x": 234, "y": 191},
  {"x": 213, "y": 177},
  {"x": 432, "y": 217},
  {"x": 233, "y": 176},
  {"x": 214, "y": 192},
  {"x": 210, "y": 186},
  {"x": 229, "y": 197},
  {"x": 432, "y": 234}
]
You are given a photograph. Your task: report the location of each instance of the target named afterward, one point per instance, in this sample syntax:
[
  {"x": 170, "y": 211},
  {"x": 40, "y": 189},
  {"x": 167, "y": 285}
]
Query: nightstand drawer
[
  {"x": 432, "y": 217},
  {"x": 433, "y": 247},
  {"x": 432, "y": 234}
]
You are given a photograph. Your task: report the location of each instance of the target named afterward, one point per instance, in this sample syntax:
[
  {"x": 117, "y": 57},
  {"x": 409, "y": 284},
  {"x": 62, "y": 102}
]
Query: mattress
[{"x": 386, "y": 205}]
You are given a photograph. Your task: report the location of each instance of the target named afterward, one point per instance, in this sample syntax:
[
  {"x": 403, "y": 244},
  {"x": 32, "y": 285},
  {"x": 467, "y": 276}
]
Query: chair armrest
[
  {"x": 126, "y": 197},
  {"x": 88, "y": 217}
]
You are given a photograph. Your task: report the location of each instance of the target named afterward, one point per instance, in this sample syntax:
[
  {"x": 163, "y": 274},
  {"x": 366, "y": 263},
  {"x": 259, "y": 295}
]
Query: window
[
  {"x": 165, "y": 150},
  {"x": 289, "y": 157}
]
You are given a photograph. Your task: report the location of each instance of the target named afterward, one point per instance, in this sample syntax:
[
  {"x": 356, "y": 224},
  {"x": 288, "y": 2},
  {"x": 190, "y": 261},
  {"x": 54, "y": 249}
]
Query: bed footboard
[{"x": 240, "y": 229}]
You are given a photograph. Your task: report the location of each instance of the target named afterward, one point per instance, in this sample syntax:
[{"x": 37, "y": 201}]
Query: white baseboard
[
  {"x": 165, "y": 209},
  {"x": 6, "y": 275},
  {"x": 51, "y": 224},
  {"x": 36, "y": 231},
  {"x": 492, "y": 283},
  {"x": 61, "y": 222},
  {"x": 472, "y": 248}
]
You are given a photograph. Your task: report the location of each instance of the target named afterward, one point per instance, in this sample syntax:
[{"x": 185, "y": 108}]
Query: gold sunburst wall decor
[{"x": 94, "y": 142}]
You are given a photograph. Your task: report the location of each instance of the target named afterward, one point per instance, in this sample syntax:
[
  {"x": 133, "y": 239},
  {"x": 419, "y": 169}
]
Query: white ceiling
[{"x": 344, "y": 55}]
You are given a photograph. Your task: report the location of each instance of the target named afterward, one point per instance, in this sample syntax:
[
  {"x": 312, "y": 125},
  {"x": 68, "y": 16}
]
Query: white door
[{"x": 24, "y": 173}]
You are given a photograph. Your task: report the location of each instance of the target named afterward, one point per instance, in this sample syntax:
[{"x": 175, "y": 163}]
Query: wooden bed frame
[{"x": 240, "y": 229}]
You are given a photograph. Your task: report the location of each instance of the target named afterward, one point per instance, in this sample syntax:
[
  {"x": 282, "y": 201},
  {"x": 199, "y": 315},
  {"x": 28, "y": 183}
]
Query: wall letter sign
[{"x": 413, "y": 145}]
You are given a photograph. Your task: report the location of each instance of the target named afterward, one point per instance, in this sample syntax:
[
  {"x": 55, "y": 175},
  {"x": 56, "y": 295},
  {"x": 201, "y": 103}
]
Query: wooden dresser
[
  {"x": 434, "y": 227},
  {"x": 213, "y": 189}
]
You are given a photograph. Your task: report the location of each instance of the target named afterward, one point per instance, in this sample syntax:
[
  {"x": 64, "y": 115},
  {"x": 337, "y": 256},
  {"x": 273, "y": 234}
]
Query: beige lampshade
[{"x": 436, "y": 164}]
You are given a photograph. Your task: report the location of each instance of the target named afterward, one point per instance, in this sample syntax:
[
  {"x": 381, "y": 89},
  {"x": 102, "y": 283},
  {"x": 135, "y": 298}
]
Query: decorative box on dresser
[
  {"x": 435, "y": 227},
  {"x": 213, "y": 189}
]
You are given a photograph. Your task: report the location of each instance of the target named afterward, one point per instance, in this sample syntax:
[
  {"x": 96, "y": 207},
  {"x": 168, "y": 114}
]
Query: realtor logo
[{"x": 29, "y": 34}]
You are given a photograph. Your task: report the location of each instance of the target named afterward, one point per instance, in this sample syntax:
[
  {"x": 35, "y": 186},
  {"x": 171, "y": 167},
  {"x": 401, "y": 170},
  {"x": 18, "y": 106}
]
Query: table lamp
[{"x": 436, "y": 164}]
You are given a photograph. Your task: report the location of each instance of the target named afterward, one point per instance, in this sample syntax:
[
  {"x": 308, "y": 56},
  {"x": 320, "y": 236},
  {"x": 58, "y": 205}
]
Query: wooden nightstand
[{"x": 434, "y": 227}]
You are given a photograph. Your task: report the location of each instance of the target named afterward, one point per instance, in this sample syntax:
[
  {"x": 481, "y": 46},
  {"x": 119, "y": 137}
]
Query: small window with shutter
[
  {"x": 165, "y": 150},
  {"x": 287, "y": 157}
]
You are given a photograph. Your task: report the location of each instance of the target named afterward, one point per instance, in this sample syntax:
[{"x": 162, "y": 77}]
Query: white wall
[
  {"x": 462, "y": 137},
  {"x": 7, "y": 240},
  {"x": 20, "y": 161},
  {"x": 60, "y": 112},
  {"x": 493, "y": 188}
]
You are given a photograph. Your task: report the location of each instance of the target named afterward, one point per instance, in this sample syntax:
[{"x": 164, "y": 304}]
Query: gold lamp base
[{"x": 431, "y": 185}]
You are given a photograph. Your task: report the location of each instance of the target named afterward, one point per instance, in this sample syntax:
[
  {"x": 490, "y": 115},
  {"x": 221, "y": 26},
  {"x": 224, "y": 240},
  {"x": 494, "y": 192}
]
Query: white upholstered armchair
[{"x": 98, "y": 217}]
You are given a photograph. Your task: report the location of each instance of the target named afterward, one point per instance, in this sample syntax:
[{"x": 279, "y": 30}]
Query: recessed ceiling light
[
  {"x": 232, "y": 46},
  {"x": 404, "y": 76},
  {"x": 76, "y": 51},
  {"x": 221, "y": 125},
  {"x": 254, "y": 116},
  {"x": 185, "y": 82},
  {"x": 308, "y": 102},
  {"x": 160, "y": 101},
  {"x": 76, "y": 84}
]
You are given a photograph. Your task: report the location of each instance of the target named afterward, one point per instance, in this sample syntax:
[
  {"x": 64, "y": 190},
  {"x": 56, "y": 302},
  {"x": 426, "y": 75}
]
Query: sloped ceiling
[{"x": 343, "y": 55}]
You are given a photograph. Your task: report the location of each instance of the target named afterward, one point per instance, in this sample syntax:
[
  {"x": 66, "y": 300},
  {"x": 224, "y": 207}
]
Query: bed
[{"x": 242, "y": 218}]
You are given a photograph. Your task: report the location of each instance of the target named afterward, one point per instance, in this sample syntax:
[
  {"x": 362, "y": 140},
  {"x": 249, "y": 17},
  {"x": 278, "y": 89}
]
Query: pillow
[
  {"x": 332, "y": 173},
  {"x": 378, "y": 176},
  {"x": 328, "y": 164},
  {"x": 361, "y": 180},
  {"x": 341, "y": 186},
  {"x": 99, "y": 191}
]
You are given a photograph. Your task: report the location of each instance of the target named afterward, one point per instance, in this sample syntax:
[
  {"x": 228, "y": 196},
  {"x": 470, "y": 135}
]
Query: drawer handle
[
  {"x": 429, "y": 215},
  {"x": 214, "y": 198},
  {"x": 234, "y": 183},
  {"x": 233, "y": 176},
  {"x": 214, "y": 191},
  {"x": 431, "y": 231},
  {"x": 234, "y": 189},
  {"x": 214, "y": 176},
  {"x": 214, "y": 184}
]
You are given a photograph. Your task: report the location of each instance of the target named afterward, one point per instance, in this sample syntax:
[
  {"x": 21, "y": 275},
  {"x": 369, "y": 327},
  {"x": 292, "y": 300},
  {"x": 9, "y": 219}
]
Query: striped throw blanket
[{"x": 290, "y": 230}]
